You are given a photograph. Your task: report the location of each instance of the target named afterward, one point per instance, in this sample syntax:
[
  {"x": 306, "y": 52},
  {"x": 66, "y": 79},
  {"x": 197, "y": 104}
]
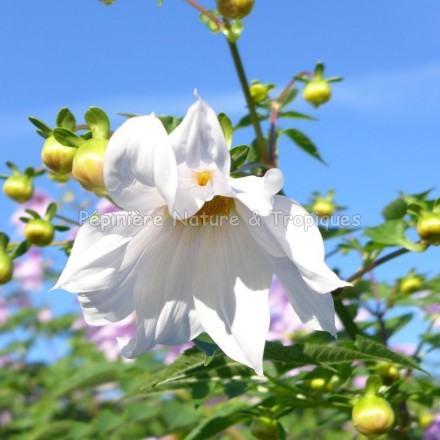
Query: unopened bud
[
  {"x": 235, "y": 9},
  {"x": 19, "y": 187}
]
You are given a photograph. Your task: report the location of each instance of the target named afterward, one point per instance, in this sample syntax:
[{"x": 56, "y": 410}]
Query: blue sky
[{"x": 379, "y": 134}]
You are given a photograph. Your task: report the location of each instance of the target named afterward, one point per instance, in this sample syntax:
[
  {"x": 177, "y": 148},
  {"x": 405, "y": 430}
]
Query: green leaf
[
  {"x": 303, "y": 142},
  {"x": 65, "y": 119},
  {"x": 98, "y": 122},
  {"x": 32, "y": 213},
  {"x": 189, "y": 370},
  {"x": 238, "y": 156},
  {"x": 296, "y": 115},
  {"x": 375, "y": 349},
  {"x": 245, "y": 121},
  {"x": 392, "y": 233},
  {"x": 169, "y": 122},
  {"x": 67, "y": 138},
  {"x": 226, "y": 415},
  {"x": 395, "y": 210},
  {"x": 21, "y": 249},
  {"x": 51, "y": 211},
  {"x": 290, "y": 96},
  {"x": 226, "y": 125},
  {"x": 41, "y": 125},
  {"x": 92, "y": 376}
]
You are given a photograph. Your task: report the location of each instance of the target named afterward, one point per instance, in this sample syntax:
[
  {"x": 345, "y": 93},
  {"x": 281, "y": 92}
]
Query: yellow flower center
[
  {"x": 203, "y": 178},
  {"x": 219, "y": 205}
]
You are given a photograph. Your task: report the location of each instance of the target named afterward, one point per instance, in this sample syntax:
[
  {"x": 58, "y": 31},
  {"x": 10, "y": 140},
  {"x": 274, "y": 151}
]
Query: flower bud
[
  {"x": 317, "y": 91},
  {"x": 39, "y": 232},
  {"x": 428, "y": 227},
  {"x": 57, "y": 157},
  {"x": 264, "y": 428},
  {"x": 410, "y": 284},
  {"x": 88, "y": 165},
  {"x": 259, "y": 92},
  {"x": 6, "y": 267},
  {"x": 19, "y": 187},
  {"x": 388, "y": 372},
  {"x": 372, "y": 416},
  {"x": 235, "y": 9},
  {"x": 323, "y": 208}
]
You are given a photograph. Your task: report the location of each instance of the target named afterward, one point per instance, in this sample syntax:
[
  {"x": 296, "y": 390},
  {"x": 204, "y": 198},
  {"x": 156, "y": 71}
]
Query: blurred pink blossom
[
  {"x": 39, "y": 203},
  {"x": 284, "y": 321},
  {"x": 105, "y": 337},
  {"x": 433, "y": 430},
  {"x": 3, "y": 312},
  {"x": 104, "y": 206},
  {"x": 29, "y": 271},
  {"x": 44, "y": 315}
]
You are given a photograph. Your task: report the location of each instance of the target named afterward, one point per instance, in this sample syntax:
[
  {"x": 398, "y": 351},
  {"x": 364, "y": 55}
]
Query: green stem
[
  {"x": 261, "y": 144},
  {"x": 370, "y": 267},
  {"x": 350, "y": 326}
]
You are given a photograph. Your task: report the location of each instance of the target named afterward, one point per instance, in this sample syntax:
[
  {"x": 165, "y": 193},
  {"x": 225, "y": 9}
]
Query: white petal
[
  {"x": 140, "y": 167},
  {"x": 313, "y": 309},
  {"x": 199, "y": 138},
  {"x": 231, "y": 283},
  {"x": 97, "y": 254},
  {"x": 291, "y": 229},
  {"x": 164, "y": 303},
  {"x": 191, "y": 196},
  {"x": 104, "y": 264},
  {"x": 257, "y": 192}
]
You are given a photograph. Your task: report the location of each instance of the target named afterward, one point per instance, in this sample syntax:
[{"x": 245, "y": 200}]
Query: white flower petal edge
[
  {"x": 202, "y": 157},
  {"x": 231, "y": 286},
  {"x": 140, "y": 167},
  {"x": 163, "y": 299}
]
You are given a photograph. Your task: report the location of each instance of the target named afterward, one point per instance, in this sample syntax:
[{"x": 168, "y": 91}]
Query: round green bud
[
  {"x": 410, "y": 284},
  {"x": 88, "y": 165},
  {"x": 317, "y": 383},
  {"x": 323, "y": 208},
  {"x": 258, "y": 92},
  {"x": 372, "y": 416},
  {"x": 317, "y": 92},
  {"x": 19, "y": 188},
  {"x": 425, "y": 420},
  {"x": 57, "y": 157},
  {"x": 428, "y": 227},
  {"x": 6, "y": 268},
  {"x": 39, "y": 232},
  {"x": 388, "y": 372},
  {"x": 264, "y": 428},
  {"x": 235, "y": 9}
]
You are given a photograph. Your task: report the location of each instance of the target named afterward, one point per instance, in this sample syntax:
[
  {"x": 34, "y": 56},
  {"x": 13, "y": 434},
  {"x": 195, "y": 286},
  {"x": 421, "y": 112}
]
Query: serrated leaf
[
  {"x": 40, "y": 125},
  {"x": 67, "y": 138},
  {"x": 303, "y": 142},
  {"x": 395, "y": 210},
  {"x": 375, "y": 349},
  {"x": 98, "y": 122},
  {"x": 230, "y": 414},
  {"x": 65, "y": 119},
  {"x": 226, "y": 126},
  {"x": 238, "y": 156}
]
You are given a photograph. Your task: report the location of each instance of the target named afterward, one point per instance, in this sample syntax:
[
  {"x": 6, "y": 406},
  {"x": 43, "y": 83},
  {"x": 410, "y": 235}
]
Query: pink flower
[
  {"x": 105, "y": 337},
  {"x": 39, "y": 203},
  {"x": 44, "y": 315},
  {"x": 104, "y": 206},
  {"x": 433, "y": 431},
  {"x": 284, "y": 321},
  {"x": 29, "y": 272},
  {"x": 3, "y": 312}
]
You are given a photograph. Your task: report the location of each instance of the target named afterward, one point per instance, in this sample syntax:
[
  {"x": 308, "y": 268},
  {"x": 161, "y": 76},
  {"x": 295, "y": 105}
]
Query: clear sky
[{"x": 379, "y": 134}]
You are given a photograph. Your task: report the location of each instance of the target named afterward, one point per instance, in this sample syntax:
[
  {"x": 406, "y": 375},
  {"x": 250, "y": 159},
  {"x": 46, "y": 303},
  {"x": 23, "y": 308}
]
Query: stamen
[
  {"x": 219, "y": 205},
  {"x": 203, "y": 178}
]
